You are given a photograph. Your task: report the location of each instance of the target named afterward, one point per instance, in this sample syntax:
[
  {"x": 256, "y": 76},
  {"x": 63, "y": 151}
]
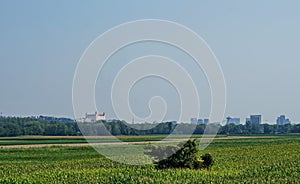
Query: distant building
[
  {"x": 89, "y": 118},
  {"x": 236, "y": 121},
  {"x": 206, "y": 121},
  {"x": 200, "y": 121},
  {"x": 194, "y": 121},
  {"x": 256, "y": 119},
  {"x": 282, "y": 120}
]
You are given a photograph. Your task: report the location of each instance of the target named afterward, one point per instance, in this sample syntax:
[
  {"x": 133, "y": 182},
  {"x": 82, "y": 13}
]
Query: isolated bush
[{"x": 185, "y": 156}]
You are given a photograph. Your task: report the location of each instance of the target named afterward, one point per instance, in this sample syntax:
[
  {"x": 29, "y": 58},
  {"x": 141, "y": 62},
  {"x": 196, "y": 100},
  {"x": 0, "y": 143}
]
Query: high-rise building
[
  {"x": 200, "y": 121},
  {"x": 282, "y": 120},
  {"x": 256, "y": 119},
  {"x": 206, "y": 121}
]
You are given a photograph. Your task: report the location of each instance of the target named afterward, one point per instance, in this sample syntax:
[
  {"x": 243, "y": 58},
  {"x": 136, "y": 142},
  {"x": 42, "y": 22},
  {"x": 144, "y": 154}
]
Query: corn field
[{"x": 257, "y": 160}]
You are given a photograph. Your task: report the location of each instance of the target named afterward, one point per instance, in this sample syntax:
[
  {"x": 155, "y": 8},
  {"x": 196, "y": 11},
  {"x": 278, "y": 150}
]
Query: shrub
[{"x": 186, "y": 156}]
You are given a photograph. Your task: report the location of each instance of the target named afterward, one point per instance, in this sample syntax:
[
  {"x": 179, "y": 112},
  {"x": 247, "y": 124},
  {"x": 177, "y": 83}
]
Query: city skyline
[{"x": 92, "y": 117}]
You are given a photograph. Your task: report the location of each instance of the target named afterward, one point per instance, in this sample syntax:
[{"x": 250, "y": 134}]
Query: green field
[
  {"x": 250, "y": 160},
  {"x": 31, "y": 140}
]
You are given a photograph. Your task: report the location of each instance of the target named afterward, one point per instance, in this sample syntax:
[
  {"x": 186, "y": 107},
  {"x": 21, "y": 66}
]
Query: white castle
[{"x": 89, "y": 118}]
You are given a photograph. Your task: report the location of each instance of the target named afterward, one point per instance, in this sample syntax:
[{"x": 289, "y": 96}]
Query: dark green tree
[{"x": 185, "y": 156}]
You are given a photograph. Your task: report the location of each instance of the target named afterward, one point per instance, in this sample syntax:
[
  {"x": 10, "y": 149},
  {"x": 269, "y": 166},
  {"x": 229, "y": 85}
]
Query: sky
[{"x": 256, "y": 42}]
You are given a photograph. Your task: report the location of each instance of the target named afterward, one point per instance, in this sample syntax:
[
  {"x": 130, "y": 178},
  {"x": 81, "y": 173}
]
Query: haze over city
[{"x": 256, "y": 42}]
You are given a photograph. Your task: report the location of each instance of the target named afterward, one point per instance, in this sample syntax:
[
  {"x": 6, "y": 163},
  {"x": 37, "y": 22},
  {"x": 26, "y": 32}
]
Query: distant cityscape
[
  {"x": 94, "y": 117},
  {"x": 61, "y": 126},
  {"x": 255, "y": 119}
]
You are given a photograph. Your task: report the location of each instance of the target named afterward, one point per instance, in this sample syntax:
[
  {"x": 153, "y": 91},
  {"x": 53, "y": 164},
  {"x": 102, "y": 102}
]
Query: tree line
[{"x": 16, "y": 126}]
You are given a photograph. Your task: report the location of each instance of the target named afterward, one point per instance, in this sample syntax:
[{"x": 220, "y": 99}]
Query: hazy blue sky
[{"x": 257, "y": 43}]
